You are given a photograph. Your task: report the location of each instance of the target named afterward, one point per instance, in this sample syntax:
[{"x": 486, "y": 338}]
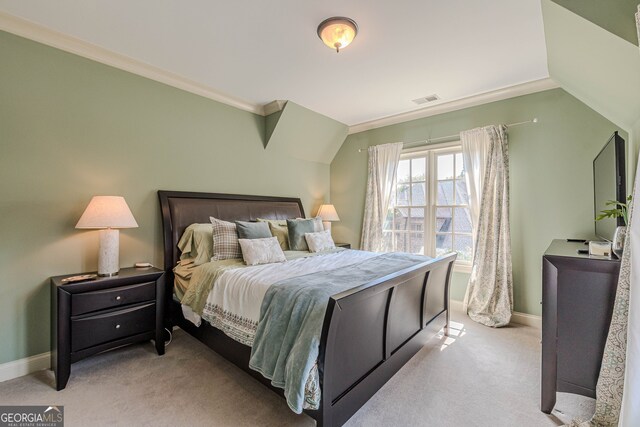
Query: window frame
[{"x": 431, "y": 185}]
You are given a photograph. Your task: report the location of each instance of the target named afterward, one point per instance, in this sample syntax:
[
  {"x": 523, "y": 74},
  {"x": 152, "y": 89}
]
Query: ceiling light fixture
[{"x": 337, "y": 32}]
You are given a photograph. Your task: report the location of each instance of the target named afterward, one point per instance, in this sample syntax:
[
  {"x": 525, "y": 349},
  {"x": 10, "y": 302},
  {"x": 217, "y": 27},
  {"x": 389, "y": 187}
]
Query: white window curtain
[
  {"x": 630, "y": 415},
  {"x": 630, "y": 409},
  {"x": 383, "y": 167},
  {"x": 489, "y": 296},
  {"x": 475, "y": 150},
  {"x": 618, "y": 388}
]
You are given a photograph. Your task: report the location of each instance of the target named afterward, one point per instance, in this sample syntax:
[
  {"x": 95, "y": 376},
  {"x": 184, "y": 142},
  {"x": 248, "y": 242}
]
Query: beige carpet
[{"x": 482, "y": 377}]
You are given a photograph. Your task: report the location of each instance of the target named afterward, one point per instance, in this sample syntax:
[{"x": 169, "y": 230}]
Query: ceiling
[
  {"x": 259, "y": 51},
  {"x": 596, "y": 66}
]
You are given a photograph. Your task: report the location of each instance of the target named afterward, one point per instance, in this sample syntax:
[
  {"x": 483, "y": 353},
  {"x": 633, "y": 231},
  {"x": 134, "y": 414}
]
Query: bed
[{"x": 368, "y": 332}]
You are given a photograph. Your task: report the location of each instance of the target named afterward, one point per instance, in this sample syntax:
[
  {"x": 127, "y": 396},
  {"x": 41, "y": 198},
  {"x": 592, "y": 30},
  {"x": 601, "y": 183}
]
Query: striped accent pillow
[{"x": 225, "y": 240}]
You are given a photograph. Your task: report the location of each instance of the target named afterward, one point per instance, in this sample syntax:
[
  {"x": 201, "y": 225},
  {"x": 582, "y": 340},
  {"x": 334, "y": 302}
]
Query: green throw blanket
[{"x": 287, "y": 340}]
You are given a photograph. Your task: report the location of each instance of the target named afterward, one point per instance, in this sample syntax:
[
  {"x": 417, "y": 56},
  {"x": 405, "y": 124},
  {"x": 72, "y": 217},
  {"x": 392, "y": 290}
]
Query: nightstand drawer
[
  {"x": 101, "y": 328},
  {"x": 109, "y": 298}
]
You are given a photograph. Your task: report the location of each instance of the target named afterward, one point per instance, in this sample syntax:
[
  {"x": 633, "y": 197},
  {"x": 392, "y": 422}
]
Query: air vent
[{"x": 426, "y": 99}]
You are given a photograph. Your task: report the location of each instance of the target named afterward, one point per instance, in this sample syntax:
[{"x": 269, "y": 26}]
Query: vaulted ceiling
[
  {"x": 254, "y": 52},
  {"x": 596, "y": 66}
]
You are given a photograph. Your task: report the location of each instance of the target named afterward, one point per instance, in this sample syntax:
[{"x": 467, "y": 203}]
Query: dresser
[
  {"x": 98, "y": 315},
  {"x": 578, "y": 293}
]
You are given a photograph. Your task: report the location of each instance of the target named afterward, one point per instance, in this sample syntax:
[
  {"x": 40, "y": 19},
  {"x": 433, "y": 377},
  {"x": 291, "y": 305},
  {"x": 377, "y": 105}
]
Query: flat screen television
[{"x": 609, "y": 184}]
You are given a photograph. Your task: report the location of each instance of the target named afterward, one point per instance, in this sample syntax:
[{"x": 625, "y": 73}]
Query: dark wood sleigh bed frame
[{"x": 369, "y": 331}]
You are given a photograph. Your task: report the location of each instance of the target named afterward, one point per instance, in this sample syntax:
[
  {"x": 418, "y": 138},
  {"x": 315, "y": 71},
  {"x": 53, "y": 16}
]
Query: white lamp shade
[
  {"x": 107, "y": 212},
  {"x": 328, "y": 213}
]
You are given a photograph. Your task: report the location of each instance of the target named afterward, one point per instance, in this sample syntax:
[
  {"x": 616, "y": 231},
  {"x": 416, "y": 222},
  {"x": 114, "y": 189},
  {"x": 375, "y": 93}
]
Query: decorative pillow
[
  {"x": 252, "y": 230},
  {"x": 196, "y": 243},
  {"x": 225, "y": 240},
  {"x": 261, "y": 251},
  {"x": 320, "y": 241},
  {"x": 278, "y": 228},
  {"x": 318, "y": 225},
  {"x": 297, "y": 229}
]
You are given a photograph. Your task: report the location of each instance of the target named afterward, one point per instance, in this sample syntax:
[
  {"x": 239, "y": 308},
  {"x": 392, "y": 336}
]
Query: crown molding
[
  {"x": 274, "y": 106},
  {"x": 41, "y": 34},
  {"x": 459, "y": 104}
]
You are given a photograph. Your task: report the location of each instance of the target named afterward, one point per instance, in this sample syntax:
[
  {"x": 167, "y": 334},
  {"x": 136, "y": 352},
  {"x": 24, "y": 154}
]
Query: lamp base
[
  {"x": 108, "y": 254},
  {"x": 327, "y": 225},
  {"x": 108, "y": 274}
]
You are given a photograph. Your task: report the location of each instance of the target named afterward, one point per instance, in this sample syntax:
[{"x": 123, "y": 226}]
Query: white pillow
[
  {"x": 261, "y": 251},
  {"x": 320, "y": 241}
]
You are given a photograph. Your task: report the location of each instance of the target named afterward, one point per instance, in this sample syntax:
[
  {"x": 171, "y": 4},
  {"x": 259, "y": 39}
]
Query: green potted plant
[{"x": 619, "y": 210}]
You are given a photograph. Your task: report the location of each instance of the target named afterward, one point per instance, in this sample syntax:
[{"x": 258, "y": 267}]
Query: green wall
[
  {"x": 551, "y": 186},
  {"x": 615, "y": 16},
  {"x": 304, "y": 134},
  {"x": 71, "y": 128},
  {"x": 634, "y": 147},
  {"x": 592, "y": 64}
]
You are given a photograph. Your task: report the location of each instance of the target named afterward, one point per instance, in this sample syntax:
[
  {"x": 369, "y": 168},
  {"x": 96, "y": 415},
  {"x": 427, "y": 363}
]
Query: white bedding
[{"x": 233, "y": 305}]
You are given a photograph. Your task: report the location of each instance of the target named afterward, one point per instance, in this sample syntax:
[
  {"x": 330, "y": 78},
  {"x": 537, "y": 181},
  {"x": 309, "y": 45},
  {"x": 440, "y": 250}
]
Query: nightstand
[
  {"x": 98, "y": 315},
  {"x": 343, "y": 245}
]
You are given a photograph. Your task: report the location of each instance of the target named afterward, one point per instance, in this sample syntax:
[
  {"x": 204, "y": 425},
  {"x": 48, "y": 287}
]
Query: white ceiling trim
[
  {"x": 459, "y": 104},
  {"x": 41, "y": 34},
  {"x": 274, "y": 106},
  {"x": 45, "y": 35}
]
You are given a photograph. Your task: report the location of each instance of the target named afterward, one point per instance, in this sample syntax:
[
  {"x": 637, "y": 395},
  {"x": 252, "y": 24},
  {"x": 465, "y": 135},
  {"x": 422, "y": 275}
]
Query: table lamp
[
  {"x": 328, "y": 214},
  {"x": 108, "y": 213}
]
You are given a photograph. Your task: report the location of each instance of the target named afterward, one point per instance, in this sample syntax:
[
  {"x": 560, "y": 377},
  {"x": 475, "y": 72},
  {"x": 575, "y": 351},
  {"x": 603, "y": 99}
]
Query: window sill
[{"x": 462, "y": 268}]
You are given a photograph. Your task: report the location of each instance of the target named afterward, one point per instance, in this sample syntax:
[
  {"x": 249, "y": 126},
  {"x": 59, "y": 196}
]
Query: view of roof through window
[{"x": 417, "y": 223}]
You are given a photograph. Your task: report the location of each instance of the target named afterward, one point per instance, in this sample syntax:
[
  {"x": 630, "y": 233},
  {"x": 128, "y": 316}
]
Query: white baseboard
[
  {"x": 526, "y": 319},
  {"x": 26, "y": 366},
  {"x": 516, "y": 317}
]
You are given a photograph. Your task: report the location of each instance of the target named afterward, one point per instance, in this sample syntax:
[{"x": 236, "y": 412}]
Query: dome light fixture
[{"x": 337, "y": 32}]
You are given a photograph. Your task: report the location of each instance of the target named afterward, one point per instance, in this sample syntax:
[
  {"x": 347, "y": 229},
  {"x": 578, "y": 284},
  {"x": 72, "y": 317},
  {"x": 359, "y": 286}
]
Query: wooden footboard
[{"x": 371, "y": 331}]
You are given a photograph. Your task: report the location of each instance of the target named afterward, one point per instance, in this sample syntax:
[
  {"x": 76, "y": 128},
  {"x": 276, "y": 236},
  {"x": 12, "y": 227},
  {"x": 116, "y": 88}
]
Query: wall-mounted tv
[{"x": 609, "y": 184}]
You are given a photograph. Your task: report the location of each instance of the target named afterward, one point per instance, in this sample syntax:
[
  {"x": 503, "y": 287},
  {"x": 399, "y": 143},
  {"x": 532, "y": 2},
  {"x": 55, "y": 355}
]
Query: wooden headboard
[{"x": 180, "y": 209}]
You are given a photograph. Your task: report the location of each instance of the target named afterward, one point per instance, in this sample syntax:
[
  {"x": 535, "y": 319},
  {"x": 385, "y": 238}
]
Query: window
[{"x": 429, "y": 212}]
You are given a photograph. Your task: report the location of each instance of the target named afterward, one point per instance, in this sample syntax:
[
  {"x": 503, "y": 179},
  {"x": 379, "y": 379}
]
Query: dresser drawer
[
  {"x": 101, "y": 328},
  {"x": 87, "y": 302}
]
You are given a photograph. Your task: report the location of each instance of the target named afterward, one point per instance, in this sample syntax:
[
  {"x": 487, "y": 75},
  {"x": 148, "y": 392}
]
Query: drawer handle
[
  {"x": 117, "y": 326},
  {"x": 118, "y": 298}
]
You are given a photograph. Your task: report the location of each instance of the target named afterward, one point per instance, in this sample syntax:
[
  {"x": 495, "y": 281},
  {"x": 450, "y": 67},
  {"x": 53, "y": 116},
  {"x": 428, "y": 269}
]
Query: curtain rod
[{"x": 428, "y": 140}]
